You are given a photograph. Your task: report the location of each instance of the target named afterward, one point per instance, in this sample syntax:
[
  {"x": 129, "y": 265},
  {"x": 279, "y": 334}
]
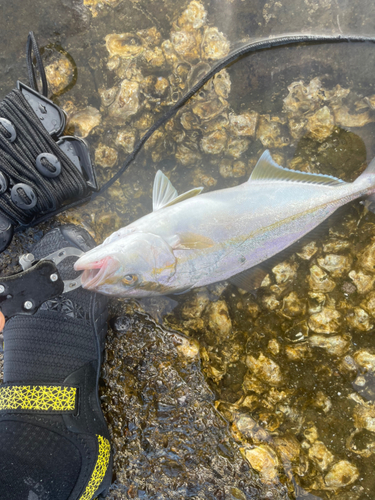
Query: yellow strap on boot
[{"x": 40, "y": 398}]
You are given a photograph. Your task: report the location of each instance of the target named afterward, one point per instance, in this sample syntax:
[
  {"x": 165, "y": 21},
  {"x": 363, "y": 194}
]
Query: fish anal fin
[
  {"x": 190, "y": 241},
  {"x": 250, "y": 279},
  {"x": 268, "y": 170}
]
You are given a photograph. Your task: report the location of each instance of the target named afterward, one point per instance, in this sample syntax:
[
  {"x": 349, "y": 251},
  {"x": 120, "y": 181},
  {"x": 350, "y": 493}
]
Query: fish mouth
[{"x": 96, "y": 273}]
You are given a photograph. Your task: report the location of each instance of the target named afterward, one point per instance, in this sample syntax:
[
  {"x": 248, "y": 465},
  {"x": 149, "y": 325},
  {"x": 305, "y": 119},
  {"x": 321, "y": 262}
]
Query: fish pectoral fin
[
  {"x": 249, "y": 280},
  {"x": 268, "y": 170},
  {"x": 190, "y": 241},
  {"x": 165, "y": 195}
]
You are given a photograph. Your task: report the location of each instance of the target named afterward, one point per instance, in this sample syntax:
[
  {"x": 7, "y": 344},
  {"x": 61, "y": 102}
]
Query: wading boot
[{"x": 54, "y": 442}]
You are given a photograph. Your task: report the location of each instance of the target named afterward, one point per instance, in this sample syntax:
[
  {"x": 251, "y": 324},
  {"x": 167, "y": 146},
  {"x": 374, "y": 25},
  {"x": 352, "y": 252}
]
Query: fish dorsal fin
[
  {"x": 163, "y": 191},
  {"x": 267, "y": 169},
  {"x": 165, "y": 195}
]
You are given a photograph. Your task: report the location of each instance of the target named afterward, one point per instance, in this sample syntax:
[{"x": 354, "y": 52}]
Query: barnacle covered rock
[
  {"x": 319, "y": 280},
  {"x": 320, "y": 125},
  {"x": 336, "y": 265},
  {"x": 285, "y": 271},
  {"x": 362, "y": 281},
  {"x": 214, "y": 143},
  {"x": 364, "y": 417},
  {"x": 237, "y": 146},
  {"x": 126, "y": 102},
  {"x": 85, "y": 121},
  {"x": 265, "y": 369},
  {"x": 341, "y": 474},
  {"x": 59, "y": 74},
  {"x": 308, "y": 251},
  {"x": 303, "y": 98},
  {"x": 186, "y": 44},
  {"x": 367, "y": 258},
  {"x": 271, "y": 133},
  {"x": 264, "y": 460},
  {"x": 320, "y": 455},
  {"x": 326, "y": 321},
  {"x": 222, "y": 83},
  {"x": 365, "y": 360},
  {"x": 335, "y": 345},
  {"x": 124, "y": 45},
  {"x": 194, "y": 17},
  {"x": 105, "y": 156},
  {"x": 214, "y": 45},
  {"x": 228, "y": 168},
  {"x": 244, "y": 124},
  {"x": 125, "y": 139},
  {"x": 359, "y": 320},
  {"x": 293, "y": 306},
  {"x": 218, "y": 320}
]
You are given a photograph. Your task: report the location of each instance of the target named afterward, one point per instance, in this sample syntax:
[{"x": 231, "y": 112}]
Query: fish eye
[{"x": 129, "y": 279}]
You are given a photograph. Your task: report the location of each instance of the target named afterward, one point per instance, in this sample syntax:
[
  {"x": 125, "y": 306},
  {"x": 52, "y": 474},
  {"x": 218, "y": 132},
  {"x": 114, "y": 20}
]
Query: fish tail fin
[
  {"x": 368, "y": 174},
  {"x": 370, "y": 171}
]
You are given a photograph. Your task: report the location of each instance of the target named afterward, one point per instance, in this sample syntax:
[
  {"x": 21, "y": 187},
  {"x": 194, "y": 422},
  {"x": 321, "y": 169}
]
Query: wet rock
[
  {"x": 252, "y": 384},
  {"x": 236, "y": 147},
  {"x": 59, "y": 74},
  {"x": 365, "y": 360},
  {"x": 194, "y": 17},
  {"x": 245, "y": 124},
  {"x": 320, "y": 125},
  {"x": 273, "y": 347},
  {"x": 319, "y": 280},
  {"x": 326, "y": 321},
  {"x": 362, "y": 281},
  {"x": 222, "y": 83},
  {"x": 264, "y": 460},
  {"x": 335, "y": 345},
  {"x": 292, "y": 306},
  {"x": 149, "y": 389},
  {"x": 320, "y": 455},
  {"x": 311, "y": 434},
  {"x": 297, "y": 352},
  {"x": 247, "y": 428},
  {"x": 229, "y": 169},
  {"x": 214, "y": 44},
  {"x": 284, "y": 272},
  {"x": 125, "y": 139},
  {"x": 302, "y": 98},
  {"x": 359, "y": 320},
  {"x": 308, "y": 251},
  {"x": 364, "y": 417},
  {"x": 340, "y": 475},
  {"x": 367, "y": 258},
  {"x": 336, "y": 265},
  {"x": 270, "y": 133},
  {"x": 126, "y": 103},
  {"x": 335, "y": 245},
  {"x": 105, "y": 156},
  {"x": 84, "y": 121},
  {"x": 124, "y": 45},
  {"x": 344, "y": 118},
  {"x": 265, "y": 369},
  {"x": 214, "y": 143},
  {"x": 218, "y": 320},
  {"x": 186, "y": 44},
  {"x": 271, "y": 302}
]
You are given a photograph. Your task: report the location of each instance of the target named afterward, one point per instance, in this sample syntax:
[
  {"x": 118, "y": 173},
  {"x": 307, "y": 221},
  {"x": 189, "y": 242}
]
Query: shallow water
[{"x": 291, "y": 369}]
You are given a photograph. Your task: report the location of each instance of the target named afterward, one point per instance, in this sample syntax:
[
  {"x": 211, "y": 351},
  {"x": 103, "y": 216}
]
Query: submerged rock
[{"x": 162, "y": 421}]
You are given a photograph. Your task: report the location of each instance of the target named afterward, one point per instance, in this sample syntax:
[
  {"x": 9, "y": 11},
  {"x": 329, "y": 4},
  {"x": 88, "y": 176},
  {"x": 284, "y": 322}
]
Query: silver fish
[{"x": 190, "y": 241}]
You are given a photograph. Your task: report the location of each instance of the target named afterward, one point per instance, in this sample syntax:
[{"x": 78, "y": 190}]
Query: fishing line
[
  {"x": 235, "y": 55},
  {"x": 253, "y": 46}
]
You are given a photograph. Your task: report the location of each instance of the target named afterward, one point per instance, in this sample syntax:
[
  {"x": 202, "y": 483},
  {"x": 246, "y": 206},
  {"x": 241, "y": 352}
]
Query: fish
[{"x": 196, "y": 239}]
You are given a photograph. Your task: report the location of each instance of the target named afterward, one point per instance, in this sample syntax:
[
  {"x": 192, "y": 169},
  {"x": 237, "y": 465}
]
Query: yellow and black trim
[
  {"x": 100, "y": 469},
  {"x": 38, "y": 398}
]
